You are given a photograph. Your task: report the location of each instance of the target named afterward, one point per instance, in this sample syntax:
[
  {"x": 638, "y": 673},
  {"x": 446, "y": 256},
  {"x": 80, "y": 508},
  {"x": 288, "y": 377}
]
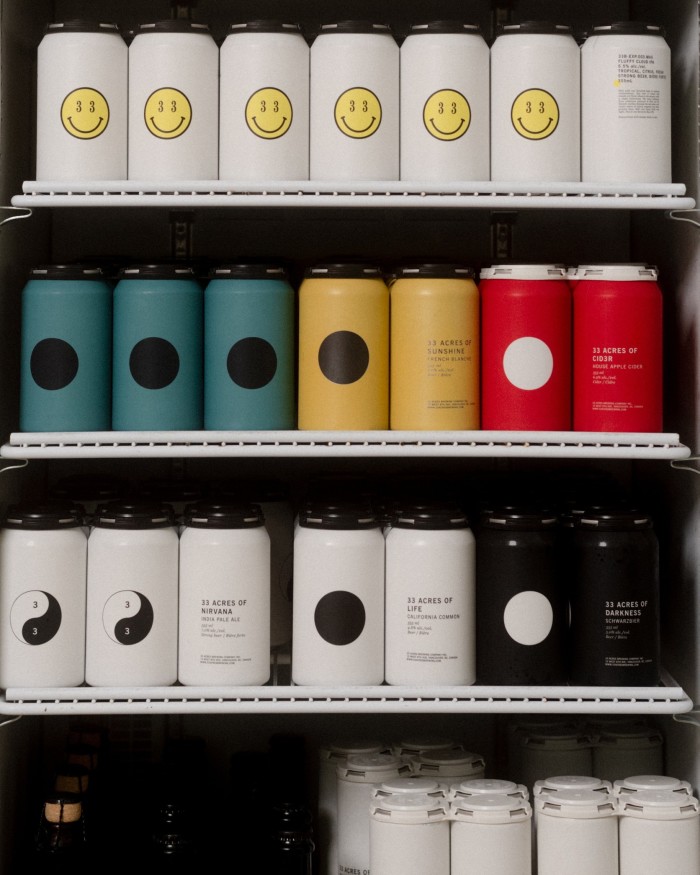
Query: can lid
[
  {"x": 342, "y": 749},
  {"x": 635, "y": 783},
  {"x": 435, "y": 270},
  {"x": 445, "y": 26},
  {"x": 409, "y": 784},
  {"x": 372, "y": 768},
  {"x": 625, "y": 28},
  {"x": 615, "y": 272},
  {"x": 576, "y": 803},
  {"x": 524, "y": 272},
  {"x": 416, "y": 745},
  {"x": 209, "y": 515},
  {"x": 449, "y": 763},
  {"x": 557, "y": 783},
  {"x": 354, "y": 26},
  {"x": 81, "y": 26},
  {"x": 66, "y": 272},
  {"x": 345, "y": 515},
  {"x": 248, "y": 271},
  {"x": 124, "y": 515},
  {"x": 631, "y": 737},
  {"x": 518, "y": 518},
  {"x": 344, "y": 270},
  {"x": 174, "y": 25},
  {"x": 58, "y": 515},
  {"x": 488, "y": 787},
  {"x": 556, "y": 738},
  {"x": 265, "y": 25},
  {"x": 659, "y": 805},
  {"x": 534, "y": 27},
  {"x": 409, "y": 808},
  {"x": 625, "y": 520},
  {"x": 156, "y": 271},
  {"x": 437, "y": 517},
  {"x": 490, "y": 808}
]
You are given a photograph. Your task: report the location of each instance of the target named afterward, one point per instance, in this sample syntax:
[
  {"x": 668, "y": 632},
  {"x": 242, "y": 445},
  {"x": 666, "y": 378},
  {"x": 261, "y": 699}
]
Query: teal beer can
[
  {"x": 66, "y": 349},
  {"x": 158, "y": 340},
  {"x": 249, "y": 352}
]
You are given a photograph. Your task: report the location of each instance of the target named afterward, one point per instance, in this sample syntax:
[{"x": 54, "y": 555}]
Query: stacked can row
[
  {"x": 419, "y": 601},
  {"x": 355, "y": 105},
  {"x": 533, "y": 347}
]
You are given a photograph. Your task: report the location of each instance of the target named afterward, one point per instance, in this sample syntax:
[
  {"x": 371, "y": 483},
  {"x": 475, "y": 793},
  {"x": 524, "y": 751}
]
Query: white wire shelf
[
  {"x": 666, "y": 699},
  {"x": 343, "y": 444},
  {"x": 232, "y": 193}
]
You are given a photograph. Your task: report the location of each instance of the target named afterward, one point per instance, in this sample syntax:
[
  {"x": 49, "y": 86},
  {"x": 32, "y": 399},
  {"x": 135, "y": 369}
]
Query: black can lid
[
  {"x": 518, "y": 518},
  {"x": 265, "y": 25},
  {"x": 343, "y": 270},
  {"x": 55, "y": 515},
  {"x": 66, "y": 272},
  {"x": 249, "y": 271},
  {"x": 157, "y": 272},
  {"x": 345, "y": 515},
  {"x": 435, "y": 517},
  {"x": 614, "y": 519},
  {"x": 546, "y": 27},
  {"x": 626, "y": 28},
  {"x": 81, "y": 26},
  {"x": 136, "y": 515},
  {"x": 354, "y": 26},
  {"x": 229, "y": 515},
  {"x": 445, "y": 26},
  {"x": 174, "y": 25},
  {"x": 434, "y": 270}
]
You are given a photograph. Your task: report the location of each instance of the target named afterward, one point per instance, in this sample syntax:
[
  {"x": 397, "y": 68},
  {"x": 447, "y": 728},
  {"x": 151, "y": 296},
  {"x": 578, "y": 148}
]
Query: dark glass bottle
[
  {"x": 171, "y": 849},
  {"x": 61, "y": 841},
  {"x": 291, "y": 845}
]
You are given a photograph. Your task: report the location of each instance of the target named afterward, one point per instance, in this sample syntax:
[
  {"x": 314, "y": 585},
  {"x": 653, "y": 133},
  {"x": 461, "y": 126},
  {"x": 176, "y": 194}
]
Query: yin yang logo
[
  {"x": 35, "y": 617},
  {"x": 127, "y": 617}
]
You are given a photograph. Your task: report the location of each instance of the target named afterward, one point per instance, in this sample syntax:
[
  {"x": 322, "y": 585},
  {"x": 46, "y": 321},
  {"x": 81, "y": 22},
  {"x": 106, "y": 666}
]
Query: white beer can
[
  {"x": 354, "y": 108},
  {"x": 409, "y": 834},
  {"x": 81, "y": 102},
  {"x": 626, "y": 104},
  {"x": 659, "y": 832},
  {"x": 444, "y": 103},
  {"x": 491, "y": 834},
  {"x": 535, "y": 104},
  {"x": 173, "y": 102}
]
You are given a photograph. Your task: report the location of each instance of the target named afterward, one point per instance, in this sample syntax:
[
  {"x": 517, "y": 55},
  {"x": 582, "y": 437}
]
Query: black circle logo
[
  {"x": 343, "y": 357},
  {"x": 251, "y": 362},
  {"x": 339, "y": 617},
  {"x": 128, "y": 617},
  {"x": 35, "y": 617},
  {"x": 53, "y": 363},
  {"x": 154, "y": 363}
]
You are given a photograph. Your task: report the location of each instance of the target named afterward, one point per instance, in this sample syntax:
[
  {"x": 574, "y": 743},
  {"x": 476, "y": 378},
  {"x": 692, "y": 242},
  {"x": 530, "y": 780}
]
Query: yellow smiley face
[
  {"x": 535, "y": 114},
  {"x": 358, "y": 113},
  {"x": 167, "y": 113},
  {"x": 447, "y": 114},
  {"x": 85, "y": 113},
  {"x": 268, "y": 113}
]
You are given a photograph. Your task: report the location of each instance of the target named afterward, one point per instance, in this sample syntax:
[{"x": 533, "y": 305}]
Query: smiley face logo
[
  {"x": 447, "y": 114},
  {"x": 358, "y": 113},
  {"x": 535, "y": 114},
  {"x": 85, "y": 113},
  {"x": 167, "y": 113},
  {"x": 268, "y": 113}
]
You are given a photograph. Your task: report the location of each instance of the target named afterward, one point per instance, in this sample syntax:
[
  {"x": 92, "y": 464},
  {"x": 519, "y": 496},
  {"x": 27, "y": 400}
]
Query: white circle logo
[
  {"x": 528, "y": 363},
  {"x": 528, "y": 617}
]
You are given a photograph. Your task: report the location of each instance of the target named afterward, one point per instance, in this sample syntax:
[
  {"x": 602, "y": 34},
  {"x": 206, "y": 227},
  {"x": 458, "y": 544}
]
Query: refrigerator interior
[{"x": 29, "y": 745}]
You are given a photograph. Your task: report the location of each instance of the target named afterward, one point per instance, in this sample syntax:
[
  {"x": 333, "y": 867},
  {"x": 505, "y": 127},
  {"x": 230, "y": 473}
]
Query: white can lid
[
  {"x": 488, "y": 787},
  {"x": 372, "y": 768},
  {"x": 341, "y": 749},
  {"x": 409, "y": 784},
  {"x": 617, "y": 272},
  {"x": 523, "y": 272},
  {"x": 635, "y": 783},
  {"x": 576, "y": 803},
  {"x": 413, "y": 746},
  {"x": 409, "y": 808},
  {"x": 630, "y": 737},
  {"x": 557, "y": 783},
  {"x": 659, "y": 805},
  {"x": 555, "y": 738},
  {"x": 490, "y": 808},
  {"x": 447, "y": 762}
]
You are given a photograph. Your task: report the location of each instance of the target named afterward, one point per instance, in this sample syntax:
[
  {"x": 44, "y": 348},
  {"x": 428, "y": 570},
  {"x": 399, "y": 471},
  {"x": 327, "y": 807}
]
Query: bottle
[
  {"x": 535, "y": 103},
  {"x": 430, "y": 620},
  {"x": 81, "y": 102},
  {"x": 264, "y": 102},
  {"x": 171, "y": 848},
  {"x": 249, "y": 335},
  {"x": 444, "y": 87},
  {"x": 61, "y": 841},
  {"x": 409, "y": 834},
  {"x": 626, "y": 104},
  {"x": 43, "y": 572},
  {"x": 490, "y": 834},
  {"x": 173, "y": 102},
  {"x": 354, "y": 102},
  {"x": 343, "y": 348},
  {"x": 132, "y": 597},
  {"x": 434, "y": 360},
  {"x": 158, "y": 340},
  {"x": 66, "y": 350},
  {"x": 224, "y": 596},
  {"x": 291, "y": 845}
]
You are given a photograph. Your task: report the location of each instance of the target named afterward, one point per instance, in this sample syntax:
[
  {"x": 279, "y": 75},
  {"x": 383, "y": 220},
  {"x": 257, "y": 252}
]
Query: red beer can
[
  {"x": 525, "y": 348},
  {"x": 618, "y": 368}
]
